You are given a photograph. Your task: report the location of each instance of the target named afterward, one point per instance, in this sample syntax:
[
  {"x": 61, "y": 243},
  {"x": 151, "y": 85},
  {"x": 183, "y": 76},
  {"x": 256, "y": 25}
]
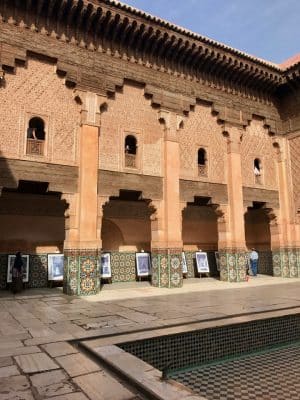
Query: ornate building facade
[{"x": 121, "y": 132}]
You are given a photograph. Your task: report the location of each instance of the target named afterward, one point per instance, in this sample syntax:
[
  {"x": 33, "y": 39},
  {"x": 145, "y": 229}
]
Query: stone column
[
  {"x": 286, "y": 254},
  {"x": 166, "y": 225},
  {"x": 232, "y": 247},
  {"x": 83, "y": 245}
]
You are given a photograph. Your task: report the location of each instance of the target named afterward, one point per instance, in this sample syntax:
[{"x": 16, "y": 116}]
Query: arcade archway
[
  {"x": 200, "y": 233},
  {"x": 258, "y": 236}
]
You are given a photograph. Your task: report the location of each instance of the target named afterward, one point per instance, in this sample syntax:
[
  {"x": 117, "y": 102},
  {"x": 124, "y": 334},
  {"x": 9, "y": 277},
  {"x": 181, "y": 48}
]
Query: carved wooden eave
[
  {"x": 292, "y": 77},
  {"x": 124, "y": 32}
]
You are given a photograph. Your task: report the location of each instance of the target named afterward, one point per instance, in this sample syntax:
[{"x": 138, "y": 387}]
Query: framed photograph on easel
[
  {"x": 55, "y": 267},
  {"x": 143, "y": 264},
  {"x": 105, "y": 266},
  {"x": 202, "y": 262}
]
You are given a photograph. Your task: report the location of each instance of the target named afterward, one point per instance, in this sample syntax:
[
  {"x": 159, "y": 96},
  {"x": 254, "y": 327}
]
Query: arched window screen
[
  {"x": 257, "y": 171},
  {"x": 257, "y": 165},
  {"x": 130, "y": 145},
  {"x": 130, "y": 151},
  {"x": 201, "y": 157},
  {"x": 35, "y": 137},
  {"x": 202, "y": 162},
  {"x": 36, "y": 129}
]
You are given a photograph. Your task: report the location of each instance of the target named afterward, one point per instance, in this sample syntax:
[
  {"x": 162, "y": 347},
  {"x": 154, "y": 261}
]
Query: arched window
[
  {"x": 35, "y": 136},
  {"x": 130, "y": 151},
  {"x": 130, "y": 145},
  {"x": 257, "y": 171},
  {"x": 202, "y": 162},
  {"x": 36, "y": 129}
]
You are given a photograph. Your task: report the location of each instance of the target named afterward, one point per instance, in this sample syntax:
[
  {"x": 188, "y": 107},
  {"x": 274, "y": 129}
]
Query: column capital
[
  {"x": 91, "y": 105},
  {"x": 172, "y": 123},
  {"x": 234, "y": 136}
]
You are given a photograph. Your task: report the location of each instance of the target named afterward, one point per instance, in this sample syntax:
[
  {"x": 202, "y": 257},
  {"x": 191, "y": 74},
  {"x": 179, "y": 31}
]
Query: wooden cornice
[{"x": 120, "y": 30}]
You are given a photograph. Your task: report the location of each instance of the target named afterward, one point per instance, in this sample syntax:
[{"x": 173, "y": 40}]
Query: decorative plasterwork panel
[
  {"x": 202, "y": 130},
  {"x": 130, "y": 112},
  {"x": 37, "y": 91},
  {"x": 295, "y": 169},
  {"x": 258, "y": 144}
]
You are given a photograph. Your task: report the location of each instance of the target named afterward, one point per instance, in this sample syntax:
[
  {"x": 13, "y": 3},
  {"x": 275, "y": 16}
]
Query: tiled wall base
[
  {"x": 286, "y": 263},
  {"x": 233, "y": 265},
  {"x": 81, "y": 273},
  {"x": 3, "y": 271},
  {"x": 123, "y": 267},
  {"x": 38, "y": 271},
  {"x": 265, "y": 263},
  {"x": 166, "y": 268}
]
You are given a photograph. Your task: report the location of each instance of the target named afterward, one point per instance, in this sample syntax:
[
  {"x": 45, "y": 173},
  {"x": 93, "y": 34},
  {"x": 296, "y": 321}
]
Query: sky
[{"x": 268, "y": 29}]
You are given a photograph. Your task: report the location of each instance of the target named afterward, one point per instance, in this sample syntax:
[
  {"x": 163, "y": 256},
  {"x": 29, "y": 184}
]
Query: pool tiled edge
[{"x": 146, "y": 377}]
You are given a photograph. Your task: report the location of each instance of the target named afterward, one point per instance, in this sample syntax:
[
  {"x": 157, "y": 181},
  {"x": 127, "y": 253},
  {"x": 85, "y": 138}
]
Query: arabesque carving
[
  {"x": 131, "y": 112},
  {"x": 295, "y": 169},
  {"x": 37, "y": 90},
  {"x": 202, "y": 130},
  {"x": 257, "y": 143}
]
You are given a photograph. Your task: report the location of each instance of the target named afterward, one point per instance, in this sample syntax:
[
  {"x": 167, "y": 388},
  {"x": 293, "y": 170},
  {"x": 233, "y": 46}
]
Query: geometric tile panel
[
  {"x": 123, "y": 267},
  {"x": 167, "y": 269},
  {"x": 265, "y": 263},
  {"x": 233, "y": 265},
  {"x": 38, "y": 271},
  {"x": 286, "y": 263},
  {"x": 3, "y": 270},
  {"x": 81, "y": 274},
  {"x": 272, "y": 375},
  {"x": 194, "y": 348}
]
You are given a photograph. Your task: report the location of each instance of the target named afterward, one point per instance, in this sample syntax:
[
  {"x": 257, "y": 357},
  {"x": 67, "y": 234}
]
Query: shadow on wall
[
  {"x": 31, "y": 221},
  {"x": 6, "y": 180},
  {"x": 112, "y": 236}
]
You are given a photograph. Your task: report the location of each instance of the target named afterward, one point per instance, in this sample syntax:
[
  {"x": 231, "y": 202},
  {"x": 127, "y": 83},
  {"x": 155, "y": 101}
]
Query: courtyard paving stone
[
  {"x": 100, "y": 386},
  {"x": 6, "y": 361},
  {"x": 19, "y": 351},
  {"x": 71, "y": 396},
  {"x": 50, "y": 384},
  {"x": 59, "y": 349},
  {"x": 15, "y": 387},
  {"x": 35, "y": 327},
  {"x": 77, "y": 364},
  {"x": 9, "y": 371},
  {"x": 30, "y": 363}
]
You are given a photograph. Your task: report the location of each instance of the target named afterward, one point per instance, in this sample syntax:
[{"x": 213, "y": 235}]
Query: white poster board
[
  {"x": 105, "y": 266},
  {"x": 202, "y": 262},
  {"x": 184, "y": 264},
  {"x": 10, "y": 264},
  {"x": 55, "y": 267},
  {"x": 143, "y": 264}
]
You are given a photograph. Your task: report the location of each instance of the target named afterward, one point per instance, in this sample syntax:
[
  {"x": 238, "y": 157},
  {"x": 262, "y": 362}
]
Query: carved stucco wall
[
  {"x": 295, "y": 168},
  {"x": 257, "y": 143},
  {"x": 37, "y": 91},
  {"x": 202, "y": 130},
  {"x": 131, "y": 113}
]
